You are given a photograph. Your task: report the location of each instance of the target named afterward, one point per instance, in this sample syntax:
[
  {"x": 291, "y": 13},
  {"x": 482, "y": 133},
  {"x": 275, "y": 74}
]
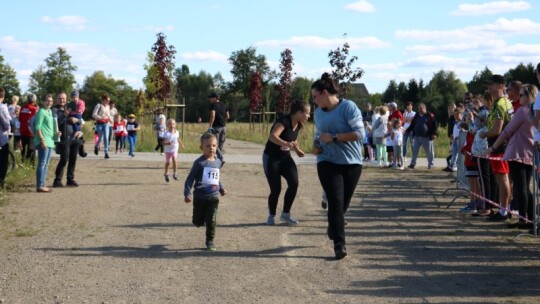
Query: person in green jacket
[{"x": 45, "y": 133}]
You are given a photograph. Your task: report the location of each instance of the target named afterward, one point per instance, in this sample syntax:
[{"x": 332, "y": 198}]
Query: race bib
[
  {"x": 161, "y": 134},
  {"x": 119, "y": 128},
  {"x": 130, "y": 127},
  {"x": 210, "y": 176},
  {"x": 17, "y": 124}
]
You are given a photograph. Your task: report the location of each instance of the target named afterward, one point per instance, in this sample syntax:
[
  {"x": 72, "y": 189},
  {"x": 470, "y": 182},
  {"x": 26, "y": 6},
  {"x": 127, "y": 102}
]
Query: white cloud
[
  {"x": 502, "y": 26},
  {"x": 456, "y": 47},
  {"x": 26, "y": 56},
  {"x": 205, "y": 56},
  {"x": 316, "y": 42},
  {"x": 360, "y": 6},
  {"x": 67, "y": 23},
  {"x": 436, "y": 61},
  {"x": 490, "y": 8}
]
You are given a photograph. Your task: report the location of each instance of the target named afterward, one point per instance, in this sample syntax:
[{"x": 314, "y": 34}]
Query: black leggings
[
  {"x": 274, "y": 168},
  {"x": 521, "y": 174},
  {"x": 339, "y": 183},
  {"x": 159, "y": 145}
]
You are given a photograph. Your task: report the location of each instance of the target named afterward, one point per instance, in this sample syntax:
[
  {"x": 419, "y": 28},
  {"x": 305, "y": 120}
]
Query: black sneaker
[
  {"x": 497, "y": 217},
  {"x": 447, "y": 169},
  {"x": 106, "y": 155},
  {"x": 411, "y": 166},
  {"x": 57, "y": 184},
  {"x": 72, "y": 183},
  {"x": 96, "y": 150},
  {"x": 166, "y": 177},
  {"x": 340, "y": 251}
]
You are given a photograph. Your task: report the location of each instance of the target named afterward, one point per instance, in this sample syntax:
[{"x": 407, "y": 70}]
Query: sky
[{"x": 393, "y": 40}]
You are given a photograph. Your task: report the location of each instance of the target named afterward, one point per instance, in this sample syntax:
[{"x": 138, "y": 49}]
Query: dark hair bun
[{"x": 325, "y": 76}]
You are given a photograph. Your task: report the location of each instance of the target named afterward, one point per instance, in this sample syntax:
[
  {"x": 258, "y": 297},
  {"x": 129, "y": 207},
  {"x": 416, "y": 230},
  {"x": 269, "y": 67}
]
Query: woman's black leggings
[
  {"x": 339, "y": 183},
  {"x": 521, "y": 174},
  {"x": 274, "y": 169}
]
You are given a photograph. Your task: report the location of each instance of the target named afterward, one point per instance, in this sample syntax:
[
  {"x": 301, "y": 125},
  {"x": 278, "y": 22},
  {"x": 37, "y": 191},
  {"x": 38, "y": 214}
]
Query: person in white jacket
[{"x": 380, "y": 128}]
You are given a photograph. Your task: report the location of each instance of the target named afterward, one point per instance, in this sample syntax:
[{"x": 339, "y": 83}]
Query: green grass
[
  {"x": 256, "y": 133},
  {"x": 18, "y": 178}
]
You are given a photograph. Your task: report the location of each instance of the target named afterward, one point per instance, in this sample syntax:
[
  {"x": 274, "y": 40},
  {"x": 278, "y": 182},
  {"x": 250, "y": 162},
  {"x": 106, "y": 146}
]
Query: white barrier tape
[{"x": 495, "y": 204}]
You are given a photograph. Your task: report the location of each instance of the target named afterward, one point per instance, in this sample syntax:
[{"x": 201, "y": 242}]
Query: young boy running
[
  {"x": 171, "y": 139},
  {"x": 205, "y": 175}
]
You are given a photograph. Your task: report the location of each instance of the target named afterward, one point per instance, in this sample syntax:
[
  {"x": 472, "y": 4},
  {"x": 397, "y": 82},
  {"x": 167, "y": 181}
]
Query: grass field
[{"x": 256, "y": 133}]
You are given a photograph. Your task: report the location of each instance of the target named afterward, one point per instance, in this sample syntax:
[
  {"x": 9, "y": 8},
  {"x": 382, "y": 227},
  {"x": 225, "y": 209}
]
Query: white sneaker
[{"x": 288, "y": 219}]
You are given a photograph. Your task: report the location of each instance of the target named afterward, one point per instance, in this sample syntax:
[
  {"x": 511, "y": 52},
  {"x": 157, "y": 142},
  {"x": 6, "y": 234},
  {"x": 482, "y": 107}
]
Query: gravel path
[{"x": 125, "y": 236}]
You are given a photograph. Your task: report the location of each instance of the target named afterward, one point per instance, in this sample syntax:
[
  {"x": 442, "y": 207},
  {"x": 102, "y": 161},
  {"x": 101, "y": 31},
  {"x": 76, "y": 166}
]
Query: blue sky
[{"x": 396, "y": 40}]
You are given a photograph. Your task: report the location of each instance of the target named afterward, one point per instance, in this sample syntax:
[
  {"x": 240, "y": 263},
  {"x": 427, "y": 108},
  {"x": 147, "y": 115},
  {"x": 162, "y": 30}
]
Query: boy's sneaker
[
  {"x": 469, "y": 208},
  {"x": 96, "y": 150},
  {"x": 411, "y": 166},
  {"x": 288, "y": 219},
  {"x": 175, "y": 176},
  {"x": 271, "y": 220},
  {"x": 166, "y": 177},
  {"x": 210, "y": 246},
  {"x": 324, "y": 203},
  {"x": 447, "y": 169}
]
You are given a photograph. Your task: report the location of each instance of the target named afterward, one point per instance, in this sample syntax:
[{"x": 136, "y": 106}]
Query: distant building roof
[{"x": 360, "y": 89}]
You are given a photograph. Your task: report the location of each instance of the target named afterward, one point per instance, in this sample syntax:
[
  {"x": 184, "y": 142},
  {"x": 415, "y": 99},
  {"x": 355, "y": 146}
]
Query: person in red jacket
[{"x": 27, "y": 112}]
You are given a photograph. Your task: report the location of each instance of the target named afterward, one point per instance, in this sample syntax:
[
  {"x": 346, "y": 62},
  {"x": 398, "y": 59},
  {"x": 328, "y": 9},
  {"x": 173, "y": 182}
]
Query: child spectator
[
  {"x": 160, "y": 129},
  {"x": 16, "y": 128},
  {"x": 132, "y": 127},
  {"x": 380, "y": 128},
  {"x": 171, "y": 139},
  {"x": 124, "y": 136},
  {"x": 397, "y": 137},
  {"x": 76, "y": 109},
  {"x": 119, "y": 128},
  {"x": 205, "y": 175},
  {"x": 471, "y": 169},
  {"x": 458, "y": 116}
]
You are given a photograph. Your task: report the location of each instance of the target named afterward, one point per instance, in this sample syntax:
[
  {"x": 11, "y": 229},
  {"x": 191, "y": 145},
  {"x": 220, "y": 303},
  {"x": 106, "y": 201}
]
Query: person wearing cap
[
  {"x": 102, "y": 116},
  {"x": 499, "y": 117},
  {"x": 132, "y": 127},
  {"x": 28, "y": 111},
  {"x": 218, "y": 120},
  {"x": 76, "y": 109}
]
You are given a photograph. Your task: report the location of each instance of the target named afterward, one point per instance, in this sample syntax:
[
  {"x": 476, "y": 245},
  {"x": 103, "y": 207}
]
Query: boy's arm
[{"x": 190, "y": 179}]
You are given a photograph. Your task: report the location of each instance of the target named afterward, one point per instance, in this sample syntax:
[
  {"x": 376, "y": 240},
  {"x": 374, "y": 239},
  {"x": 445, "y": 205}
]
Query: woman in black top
[{"x": 277, "y": 160}]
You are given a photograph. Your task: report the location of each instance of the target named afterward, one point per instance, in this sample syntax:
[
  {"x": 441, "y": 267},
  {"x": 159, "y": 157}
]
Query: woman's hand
[{"x": 325, "y": 137}]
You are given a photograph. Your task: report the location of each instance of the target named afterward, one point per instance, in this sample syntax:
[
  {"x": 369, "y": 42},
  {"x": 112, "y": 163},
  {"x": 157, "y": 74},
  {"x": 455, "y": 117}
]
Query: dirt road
[{"x": 125, "y": 236}]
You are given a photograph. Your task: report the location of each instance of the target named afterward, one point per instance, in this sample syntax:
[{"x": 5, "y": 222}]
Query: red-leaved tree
[
  {"x": 285, "y": 82},
  {"x": 343, "y": 71},
  {"x": 255, "y": 93},
  {"x": 164, "y": 63}
]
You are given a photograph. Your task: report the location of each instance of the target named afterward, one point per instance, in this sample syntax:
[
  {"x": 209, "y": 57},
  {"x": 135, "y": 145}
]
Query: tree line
[
  {"x": 254, "y": 86},
  {"x": 446, "y": 88}
]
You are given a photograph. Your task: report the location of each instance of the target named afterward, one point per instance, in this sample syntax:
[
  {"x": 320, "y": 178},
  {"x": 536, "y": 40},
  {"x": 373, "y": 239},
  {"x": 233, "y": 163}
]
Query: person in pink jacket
[{"x": 519, "y": 134}]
